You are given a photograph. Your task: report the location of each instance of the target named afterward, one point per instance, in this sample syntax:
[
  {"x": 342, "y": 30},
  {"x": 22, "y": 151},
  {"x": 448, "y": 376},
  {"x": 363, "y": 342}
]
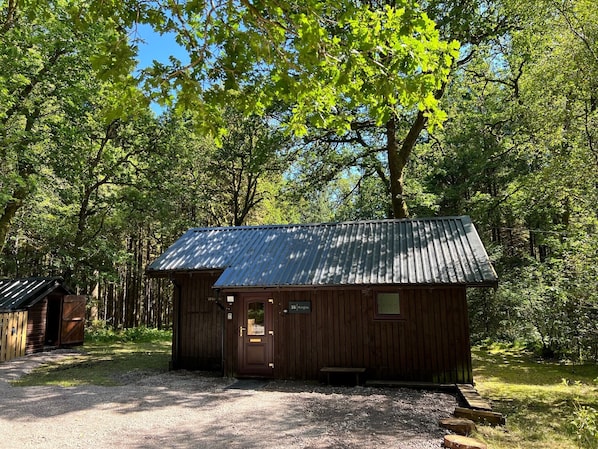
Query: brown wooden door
[
  {"x": 72, "y": 325},
  {"x": 255, "y": 337}
]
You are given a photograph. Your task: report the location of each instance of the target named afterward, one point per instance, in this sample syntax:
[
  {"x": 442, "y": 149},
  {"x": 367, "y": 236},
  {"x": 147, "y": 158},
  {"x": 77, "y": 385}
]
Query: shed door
[
  {"x": 255, "y": 337},
  {"x": 72, "y": 326}
]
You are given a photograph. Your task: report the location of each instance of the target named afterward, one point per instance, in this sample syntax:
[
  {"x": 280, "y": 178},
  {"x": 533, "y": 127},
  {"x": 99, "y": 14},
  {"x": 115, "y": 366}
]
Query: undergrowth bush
[
  {"x": 97, "y": 331},
  {"x": 585, "y": 426}
]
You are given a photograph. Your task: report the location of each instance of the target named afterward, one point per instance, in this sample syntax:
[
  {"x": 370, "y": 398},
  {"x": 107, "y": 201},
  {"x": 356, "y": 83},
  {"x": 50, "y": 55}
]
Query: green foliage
[
  {"x": 584, "y": 426},
  {"x": 315, "y": 56},
  {"x": 99, "y": 332},
  {"x": 518, "y": 154},
  {"x": 93, "y": 186},
  {"x": 58, "y": 133}
]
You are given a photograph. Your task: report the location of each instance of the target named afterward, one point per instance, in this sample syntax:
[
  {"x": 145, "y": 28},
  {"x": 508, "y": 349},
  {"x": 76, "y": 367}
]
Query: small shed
[
  {"x": 39, "y": 313},
  {"x": 385, "y": 299}
]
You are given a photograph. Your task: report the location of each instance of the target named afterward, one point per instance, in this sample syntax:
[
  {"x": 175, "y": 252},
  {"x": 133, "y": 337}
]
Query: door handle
[{"x": 241, "y": 329}]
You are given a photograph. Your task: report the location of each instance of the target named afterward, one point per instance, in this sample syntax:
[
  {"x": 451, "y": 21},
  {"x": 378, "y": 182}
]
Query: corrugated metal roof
[
  {"x": 443, "y": 251},
  {"x": 22, "y": 293}
]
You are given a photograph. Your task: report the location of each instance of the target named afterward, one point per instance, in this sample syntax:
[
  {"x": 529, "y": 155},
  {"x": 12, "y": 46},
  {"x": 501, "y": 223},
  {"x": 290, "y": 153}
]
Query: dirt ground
[{"x": 182, "y": 409}]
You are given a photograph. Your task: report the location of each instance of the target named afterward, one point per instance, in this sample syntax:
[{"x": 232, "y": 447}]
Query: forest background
[{"x": 310, "y": 111}]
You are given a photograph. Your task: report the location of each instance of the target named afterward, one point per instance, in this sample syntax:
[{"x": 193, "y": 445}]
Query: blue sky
[{"x": 156, "y": 47}]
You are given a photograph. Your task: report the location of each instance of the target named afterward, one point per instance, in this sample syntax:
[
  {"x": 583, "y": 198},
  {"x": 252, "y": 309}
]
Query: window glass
[
  {"x": 255, "y": 318},
  {"x": 388, "y": 304}
]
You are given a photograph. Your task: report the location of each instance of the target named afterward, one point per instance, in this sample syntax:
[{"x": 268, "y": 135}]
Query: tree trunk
[
  {"x": 397, "y": 161},
  {"x": 10, "y": 211}
]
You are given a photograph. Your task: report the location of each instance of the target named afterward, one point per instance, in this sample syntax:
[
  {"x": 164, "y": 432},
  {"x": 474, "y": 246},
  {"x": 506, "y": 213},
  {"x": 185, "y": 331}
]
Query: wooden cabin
[
  {"x": 383, "y": 298},
  {"x": 55, "y": 317}
]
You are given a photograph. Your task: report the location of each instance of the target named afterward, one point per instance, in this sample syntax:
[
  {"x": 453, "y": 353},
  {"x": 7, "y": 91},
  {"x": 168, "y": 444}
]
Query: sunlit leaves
[
  {"x": 518, "y": 153},
  {"x": 318, "y": 57}
]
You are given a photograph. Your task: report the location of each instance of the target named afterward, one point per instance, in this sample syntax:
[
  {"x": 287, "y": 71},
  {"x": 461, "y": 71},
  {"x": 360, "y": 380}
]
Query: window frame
[{"x": 387, "y": 316}]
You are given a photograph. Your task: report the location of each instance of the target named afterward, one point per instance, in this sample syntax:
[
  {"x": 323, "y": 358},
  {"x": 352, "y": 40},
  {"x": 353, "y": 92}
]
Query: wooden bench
[{"x": 328, "y": 370}]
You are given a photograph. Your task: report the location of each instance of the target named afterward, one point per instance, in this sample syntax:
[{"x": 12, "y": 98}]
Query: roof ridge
[{"x": 327, "y": 224}]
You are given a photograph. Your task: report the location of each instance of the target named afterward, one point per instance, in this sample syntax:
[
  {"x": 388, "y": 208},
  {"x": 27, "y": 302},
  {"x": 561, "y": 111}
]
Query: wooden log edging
[{"x": 476, "y": 409}]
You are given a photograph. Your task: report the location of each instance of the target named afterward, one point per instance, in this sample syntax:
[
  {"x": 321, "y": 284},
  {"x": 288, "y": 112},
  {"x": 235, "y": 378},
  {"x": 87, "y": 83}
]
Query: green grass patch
[
  {"x": 114, "y": 360},
  {"x": 99, "y": 332},
  {"x": 547, "y": 404}
]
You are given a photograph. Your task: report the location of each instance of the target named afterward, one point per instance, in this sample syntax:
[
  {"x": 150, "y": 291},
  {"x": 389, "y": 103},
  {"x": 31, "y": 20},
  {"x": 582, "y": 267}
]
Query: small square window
[{"x": 388, "y": 304}]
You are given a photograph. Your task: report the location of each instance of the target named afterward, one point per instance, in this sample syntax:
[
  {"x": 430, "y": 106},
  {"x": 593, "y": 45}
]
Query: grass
[
  {"x": 547, "y": 404},
  {"x": 107, "y": 358}
]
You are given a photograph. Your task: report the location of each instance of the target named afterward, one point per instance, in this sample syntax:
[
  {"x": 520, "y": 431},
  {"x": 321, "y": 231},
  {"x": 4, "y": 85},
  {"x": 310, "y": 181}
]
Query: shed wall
[
  {"x": 36, "y": 326},
  {"x": 197, "y": 324},
  {"x": 429, "y": 342}
]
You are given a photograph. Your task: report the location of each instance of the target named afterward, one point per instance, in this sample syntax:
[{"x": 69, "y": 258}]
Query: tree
[
  {"x": 517, "y": 154},
  {"x": 384, "y": 149},
  {"x": 45, "y": 61},
  {"x": 252, "y": 153},
  {"x": 334, "y": 65}
]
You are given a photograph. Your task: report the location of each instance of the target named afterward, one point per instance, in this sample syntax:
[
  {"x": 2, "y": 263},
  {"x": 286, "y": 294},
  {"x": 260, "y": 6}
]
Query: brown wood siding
[
  {"x": 197, "y": 328},
  {"x": 428, "y": 343},
  {"x": 36, "y": 327}
]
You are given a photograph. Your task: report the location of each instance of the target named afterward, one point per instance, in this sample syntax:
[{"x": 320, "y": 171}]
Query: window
[
  {"x": 255, "y": 318},
  {"x": 388, "y": 305}
]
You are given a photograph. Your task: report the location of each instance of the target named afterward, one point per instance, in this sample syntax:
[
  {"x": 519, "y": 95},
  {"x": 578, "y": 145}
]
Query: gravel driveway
[{"x": 181, "y": 409}]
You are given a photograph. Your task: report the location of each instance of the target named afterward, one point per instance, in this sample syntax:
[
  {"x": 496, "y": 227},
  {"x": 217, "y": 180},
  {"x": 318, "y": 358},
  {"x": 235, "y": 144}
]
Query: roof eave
[
  {"x": 484, "y": 284},
  {"x": 239, "y": 288},
  {"x": 165, "y": 274}
]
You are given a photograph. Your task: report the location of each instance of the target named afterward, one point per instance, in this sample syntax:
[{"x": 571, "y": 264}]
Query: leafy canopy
[{"x": 320, "y": 58}]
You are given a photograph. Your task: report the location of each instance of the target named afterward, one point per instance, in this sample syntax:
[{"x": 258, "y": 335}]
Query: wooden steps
[
  {"x": 476, "y": 408},
  {"x": 460, "y": 426},
  {"x": 461, "y": 442},
  {"x": 472, "y": 398},
  {"x": 480, "y": 416}
]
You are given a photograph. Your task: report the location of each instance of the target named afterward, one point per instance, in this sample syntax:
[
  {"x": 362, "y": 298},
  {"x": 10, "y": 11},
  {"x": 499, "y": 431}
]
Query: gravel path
[{"x": 181, "y": 409}]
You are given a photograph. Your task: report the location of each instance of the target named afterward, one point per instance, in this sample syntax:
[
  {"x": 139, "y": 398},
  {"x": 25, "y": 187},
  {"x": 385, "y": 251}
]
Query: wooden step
[
  {"x": 461, "y": 442},
  {"x": 480, "y": 416},
  {"x": 472, "y": 398},
  {"x": 460, "y": 426}
]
